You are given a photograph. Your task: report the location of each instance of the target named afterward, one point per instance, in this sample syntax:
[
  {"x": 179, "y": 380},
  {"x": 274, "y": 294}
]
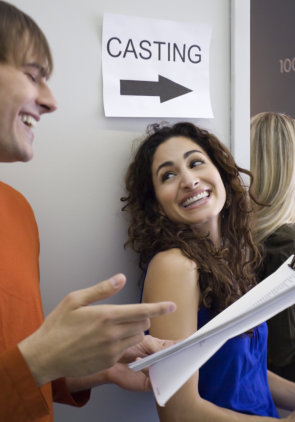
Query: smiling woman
[
  {"x": 190, "y": 222},
  {"x": 188, "y": 186},
  {"x": 172, "y": 166}
]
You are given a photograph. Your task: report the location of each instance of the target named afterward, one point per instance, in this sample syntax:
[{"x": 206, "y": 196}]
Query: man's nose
[{"x": 46, "y": 99}]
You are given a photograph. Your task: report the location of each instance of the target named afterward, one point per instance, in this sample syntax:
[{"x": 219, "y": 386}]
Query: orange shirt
[{"x": 21, "y": 314}]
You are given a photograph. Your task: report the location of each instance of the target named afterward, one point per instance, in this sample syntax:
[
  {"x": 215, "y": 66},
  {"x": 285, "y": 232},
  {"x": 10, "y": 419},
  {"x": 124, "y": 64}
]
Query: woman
[
  {"x": 190, "y": 224},
  {"x": 273, "y": 167}
]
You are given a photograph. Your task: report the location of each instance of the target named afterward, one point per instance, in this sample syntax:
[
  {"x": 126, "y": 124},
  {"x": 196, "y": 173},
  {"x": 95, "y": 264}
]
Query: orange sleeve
[
  {"x": 62, "y": 395},
  {"x": 20, "y": 398},
  {"x": 21, "y": 314}
]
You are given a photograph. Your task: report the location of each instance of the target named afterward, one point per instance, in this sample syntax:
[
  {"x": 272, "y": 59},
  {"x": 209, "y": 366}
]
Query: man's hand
[
  {"x": 120, "y": 373},
  {"x": 148, "y": 346},
  {"x": 78, "y": 339}
]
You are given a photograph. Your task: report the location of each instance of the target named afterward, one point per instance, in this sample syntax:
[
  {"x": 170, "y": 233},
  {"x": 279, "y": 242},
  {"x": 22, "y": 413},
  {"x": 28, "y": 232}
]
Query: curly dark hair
[{"x": 225, "y": 273}]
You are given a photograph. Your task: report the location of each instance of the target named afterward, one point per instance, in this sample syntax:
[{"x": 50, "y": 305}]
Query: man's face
[{"x": 24, "y": 97}]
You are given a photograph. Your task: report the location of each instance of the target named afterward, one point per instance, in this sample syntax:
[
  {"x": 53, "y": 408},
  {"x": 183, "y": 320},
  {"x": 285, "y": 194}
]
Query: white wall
[
  {"x": 75, "y": 180},
  {"x": 240, "y": 82}
]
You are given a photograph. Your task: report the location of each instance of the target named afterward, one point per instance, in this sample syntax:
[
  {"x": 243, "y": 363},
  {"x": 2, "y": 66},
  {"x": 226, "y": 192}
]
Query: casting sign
[{"x": 155, "y": 68}]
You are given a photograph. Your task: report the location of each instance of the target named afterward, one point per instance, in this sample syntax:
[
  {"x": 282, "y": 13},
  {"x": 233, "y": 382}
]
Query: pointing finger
[
  {"x": 138, "y": 312},
  {"x": 99, "y": 291}
]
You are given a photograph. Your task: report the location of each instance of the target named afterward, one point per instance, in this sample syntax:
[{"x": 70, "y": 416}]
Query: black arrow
[{"x": 164, "y": 88}]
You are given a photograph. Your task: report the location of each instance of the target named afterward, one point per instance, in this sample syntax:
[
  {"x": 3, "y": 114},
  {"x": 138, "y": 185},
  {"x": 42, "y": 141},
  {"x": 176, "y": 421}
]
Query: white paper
[
  {"x": 147, "y": 52},
  {"x": 172, "y": 367}
]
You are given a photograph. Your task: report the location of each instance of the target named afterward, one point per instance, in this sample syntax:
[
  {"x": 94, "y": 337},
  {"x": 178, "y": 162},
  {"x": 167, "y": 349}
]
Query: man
[{"x": 77, "y": 346}]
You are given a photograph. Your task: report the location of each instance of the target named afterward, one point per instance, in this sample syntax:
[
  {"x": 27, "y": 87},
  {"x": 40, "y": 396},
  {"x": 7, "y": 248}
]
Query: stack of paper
[{"x": 172, "y": 367}]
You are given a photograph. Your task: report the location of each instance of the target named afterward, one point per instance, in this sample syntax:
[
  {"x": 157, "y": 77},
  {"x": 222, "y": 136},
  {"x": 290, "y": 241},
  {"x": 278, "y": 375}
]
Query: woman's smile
[{"x": 197, "y": 199}]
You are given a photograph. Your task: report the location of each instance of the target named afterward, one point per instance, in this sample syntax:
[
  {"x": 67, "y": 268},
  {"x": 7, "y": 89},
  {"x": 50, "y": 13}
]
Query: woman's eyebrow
[
  {"x": 188, "y": 153},
  {"x": 170, "y": 163},
  {"x": 165, "y": 164}
]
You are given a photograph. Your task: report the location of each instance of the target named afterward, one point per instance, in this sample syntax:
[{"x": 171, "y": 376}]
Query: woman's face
[{"x": 187, "y": 185}]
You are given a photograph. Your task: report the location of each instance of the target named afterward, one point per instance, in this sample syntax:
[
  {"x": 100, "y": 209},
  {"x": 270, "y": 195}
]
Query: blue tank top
[{"x": 235, "y": 377}]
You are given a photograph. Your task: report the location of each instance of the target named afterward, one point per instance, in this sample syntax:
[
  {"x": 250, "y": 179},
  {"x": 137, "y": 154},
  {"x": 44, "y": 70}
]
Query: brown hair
[
  {"x": 20, "y": 36},
  {"x": 224, "y": 274}
]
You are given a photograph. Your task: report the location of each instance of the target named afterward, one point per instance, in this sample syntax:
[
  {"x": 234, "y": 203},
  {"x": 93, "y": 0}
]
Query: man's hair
[
  {"x": 21, "y": 37},
  {"x": 273, "y": 168}
]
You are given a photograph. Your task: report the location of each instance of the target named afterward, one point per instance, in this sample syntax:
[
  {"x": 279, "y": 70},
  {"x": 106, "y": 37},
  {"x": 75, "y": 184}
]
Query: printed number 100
[{"x": 287, "y": 65}]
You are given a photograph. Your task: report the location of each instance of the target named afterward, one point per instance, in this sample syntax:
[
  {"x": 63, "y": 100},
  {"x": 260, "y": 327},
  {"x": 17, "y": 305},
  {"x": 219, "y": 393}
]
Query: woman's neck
[{"x": 213, "y": 228}]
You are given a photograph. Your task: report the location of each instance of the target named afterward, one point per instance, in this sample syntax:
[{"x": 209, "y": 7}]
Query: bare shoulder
[
  {"x": 171, "y": 268},
  {"x": 173, "y": 259},
  {"x": 172, "y": 276}
]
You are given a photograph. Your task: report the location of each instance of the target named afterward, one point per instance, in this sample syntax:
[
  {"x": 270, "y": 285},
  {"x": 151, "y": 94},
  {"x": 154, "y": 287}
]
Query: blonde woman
[{"x": 273, "y": 168}]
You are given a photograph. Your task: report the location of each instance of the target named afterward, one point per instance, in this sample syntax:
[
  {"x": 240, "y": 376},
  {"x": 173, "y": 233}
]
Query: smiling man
[
  {"x": 25, "y": 96},
  {"x": 77, "y": 346}
]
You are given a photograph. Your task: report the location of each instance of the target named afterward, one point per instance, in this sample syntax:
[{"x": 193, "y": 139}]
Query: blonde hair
[{"x": 273, "y": 168}]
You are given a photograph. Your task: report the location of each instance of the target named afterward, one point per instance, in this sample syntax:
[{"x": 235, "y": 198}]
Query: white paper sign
[{"x": 155, "y": 68}]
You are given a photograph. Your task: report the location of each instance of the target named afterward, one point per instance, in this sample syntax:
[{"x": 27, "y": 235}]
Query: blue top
[{"x": 235, "y": 377}]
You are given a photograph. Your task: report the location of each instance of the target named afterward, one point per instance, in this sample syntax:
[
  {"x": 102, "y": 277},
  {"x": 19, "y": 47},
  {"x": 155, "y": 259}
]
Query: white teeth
[
  {"x": 195, "y": 198},
  {"x": 28, "y": 120}
]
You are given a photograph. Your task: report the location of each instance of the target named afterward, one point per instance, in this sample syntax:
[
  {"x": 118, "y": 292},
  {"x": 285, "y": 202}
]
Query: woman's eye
[
  {"x": 195, "y": 163},
  {"x": 167, "y": 175}
]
